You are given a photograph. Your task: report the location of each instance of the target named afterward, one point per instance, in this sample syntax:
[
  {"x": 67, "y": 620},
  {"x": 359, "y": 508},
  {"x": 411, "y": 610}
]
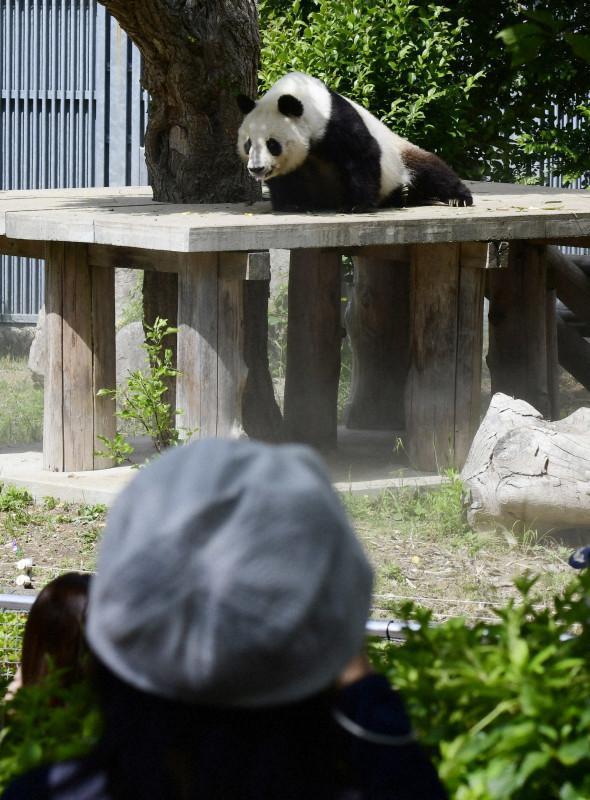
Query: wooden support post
[
  {"x": 377, "y": 323},
  {"x": 80, "y": 309},
  {"x": 211, "y": 344},
  {"x": 518, "y": 337},
  {"x": 314, "y": 340},
  {"x": 262, "y": 415},
  {"x": 443, "y": 386}
]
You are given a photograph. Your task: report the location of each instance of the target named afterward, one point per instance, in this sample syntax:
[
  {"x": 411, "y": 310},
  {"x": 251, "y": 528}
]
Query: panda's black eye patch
[
  {"x": 274, "y": 147},
  {"x": 247, "y": 146}
]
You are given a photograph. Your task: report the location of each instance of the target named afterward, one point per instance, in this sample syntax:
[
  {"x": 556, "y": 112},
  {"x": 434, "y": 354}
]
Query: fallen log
[{"x": 523, "y": 471}]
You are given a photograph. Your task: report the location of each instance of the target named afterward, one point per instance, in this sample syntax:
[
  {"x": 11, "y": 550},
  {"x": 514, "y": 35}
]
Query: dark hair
[{"x": 54, "y": 631}]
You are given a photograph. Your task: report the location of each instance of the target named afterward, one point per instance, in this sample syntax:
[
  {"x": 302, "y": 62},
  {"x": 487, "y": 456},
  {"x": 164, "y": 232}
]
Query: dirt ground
[{"x": 420, "y": 548}]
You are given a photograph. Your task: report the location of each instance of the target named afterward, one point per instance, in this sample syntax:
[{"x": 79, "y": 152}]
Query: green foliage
[
  {"x": 141, "y": 401},
  {"x": 526, "y": 41},
  {"x": 21, "y": 410},
  {"x": 440, "y": 76},
  {"x": 504, "y": 706},
  {"x": 14, "y": 498},
  {"x": 133, "y": 309},
  {"x": 395, "y": 58},
  {"x": 46, "y": 723}
]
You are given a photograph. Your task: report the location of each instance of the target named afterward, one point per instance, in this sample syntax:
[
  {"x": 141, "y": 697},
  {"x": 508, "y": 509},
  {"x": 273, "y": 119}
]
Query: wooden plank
[
  {"x": 109, "y": 256},
  {"x": 431, "y": 383},
  {"x": 574, "y": 353},
  {"x": 78, "y": 378},
  {"x": 314, "y": 339},
  {"x": 53, "y": 429},
  {"x": 231, "y": 370},
  {"x": 513, "y": 214},
  {"x": 24, "y": 248},
  {"x": 468, "y": 359},
  {"x": 552, "y": 352},
  {"x": 377, "y": 323},
  {"x": 35, "y": 202},
  {"x": 517, "y": 355},
  {"x": 571, "y": 283},
  {"x": 104, "y": 358},
  {"x": 198, "y": 308}
]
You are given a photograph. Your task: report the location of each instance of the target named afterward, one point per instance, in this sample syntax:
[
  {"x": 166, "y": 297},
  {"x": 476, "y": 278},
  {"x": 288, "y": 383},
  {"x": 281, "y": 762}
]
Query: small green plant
[
  {"x": 503, "y": 705},
  {"x": 49, "y": 503},
  {"x": 13, "y": 498},
  {"x": 141, "y": 401}
]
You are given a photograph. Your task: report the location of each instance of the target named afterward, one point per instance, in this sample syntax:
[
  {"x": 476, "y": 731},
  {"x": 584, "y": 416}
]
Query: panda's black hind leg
[{"x": 432, "y": 179}]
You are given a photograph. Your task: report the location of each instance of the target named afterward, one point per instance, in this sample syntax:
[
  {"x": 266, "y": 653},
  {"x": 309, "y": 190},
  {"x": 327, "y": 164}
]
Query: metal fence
[{"x": 72, "y": 114}]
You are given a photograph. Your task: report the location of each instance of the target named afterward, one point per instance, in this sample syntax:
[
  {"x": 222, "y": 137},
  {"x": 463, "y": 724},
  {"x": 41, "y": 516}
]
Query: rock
[{"x": 15, "y": 340}]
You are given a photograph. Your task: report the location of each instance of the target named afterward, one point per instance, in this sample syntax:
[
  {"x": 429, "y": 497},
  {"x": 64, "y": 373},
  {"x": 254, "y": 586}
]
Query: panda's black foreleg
[{"x": 361, "y": 189}]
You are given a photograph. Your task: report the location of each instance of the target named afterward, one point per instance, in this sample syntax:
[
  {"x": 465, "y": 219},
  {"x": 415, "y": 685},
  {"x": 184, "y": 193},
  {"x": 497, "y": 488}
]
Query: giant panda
[{"x": 315, "y": 149}]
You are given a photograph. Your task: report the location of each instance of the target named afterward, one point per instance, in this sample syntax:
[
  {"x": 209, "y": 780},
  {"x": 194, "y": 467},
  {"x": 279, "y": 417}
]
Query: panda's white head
[{"x": 278, "y": 129}]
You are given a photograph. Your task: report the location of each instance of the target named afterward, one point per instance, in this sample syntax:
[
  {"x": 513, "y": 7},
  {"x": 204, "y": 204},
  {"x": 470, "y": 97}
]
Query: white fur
[{"x": 295, "y": 134}]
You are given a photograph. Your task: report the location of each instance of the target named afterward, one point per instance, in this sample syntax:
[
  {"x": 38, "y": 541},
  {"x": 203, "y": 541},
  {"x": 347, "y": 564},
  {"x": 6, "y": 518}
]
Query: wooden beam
[
  {"x": 517, "y": 356},
  {"x": 377, "y": 323},
  {"x": 314, "y": 340},
  {"x": 211, "y": 345},
  {"x": 571, "y": 283},
  {"x": 24, "y": 248},
  {"x": 430, "y": 396},
  {"x": 574, "y": 353},
  {"x": 81, "y": 359},
  {"x": 443, "y": 386}
]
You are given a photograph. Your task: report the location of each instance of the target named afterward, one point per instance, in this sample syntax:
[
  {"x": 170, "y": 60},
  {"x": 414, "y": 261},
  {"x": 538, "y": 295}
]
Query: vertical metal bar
[
  {"x": 99, "y": 96},
  {"x": 92, "y": 66},
  {"x": 117, "y": 111}
]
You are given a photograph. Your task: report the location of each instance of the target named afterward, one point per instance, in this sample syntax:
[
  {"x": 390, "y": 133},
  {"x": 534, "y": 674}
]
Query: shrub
[
  {"x": 395, "y": 58},
  {"x": 503, "y": 705},
  {"x": 46, "y": 723}
]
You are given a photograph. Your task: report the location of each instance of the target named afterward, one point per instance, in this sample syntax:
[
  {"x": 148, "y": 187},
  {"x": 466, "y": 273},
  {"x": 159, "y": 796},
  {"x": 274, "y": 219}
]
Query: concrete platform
[{"x": 365, "y": 462}]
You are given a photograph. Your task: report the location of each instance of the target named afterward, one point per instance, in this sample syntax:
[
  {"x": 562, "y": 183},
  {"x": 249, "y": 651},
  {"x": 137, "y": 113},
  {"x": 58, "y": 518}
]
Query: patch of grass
[
  {"x": 21, "y": 411},
  {"x": 13, "y": 498}
]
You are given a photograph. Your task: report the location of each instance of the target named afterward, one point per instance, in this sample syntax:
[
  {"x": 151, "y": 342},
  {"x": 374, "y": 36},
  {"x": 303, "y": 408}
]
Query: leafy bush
[
  {"x": 440, "y": 76},
  {"x": 504, "y": 706},
  {"x": 46, "y": 723},
  {"x": 398, "y": 60}
]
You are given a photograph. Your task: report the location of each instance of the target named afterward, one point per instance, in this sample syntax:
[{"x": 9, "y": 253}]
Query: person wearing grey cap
[{"x": 227, "y": 619}]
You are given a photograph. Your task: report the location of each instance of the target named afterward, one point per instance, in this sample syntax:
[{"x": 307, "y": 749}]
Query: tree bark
[
  {"x": 197, "y": 56},
  {"x": 526, "y": 472}
]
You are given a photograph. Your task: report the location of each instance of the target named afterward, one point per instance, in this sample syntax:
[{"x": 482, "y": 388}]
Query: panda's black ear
[
  {"x": 290, "y": 106},
  {"x": 245, "y": 104}
]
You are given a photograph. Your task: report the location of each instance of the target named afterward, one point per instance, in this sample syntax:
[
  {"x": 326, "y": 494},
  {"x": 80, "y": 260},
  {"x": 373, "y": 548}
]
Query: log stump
[{"x": 527, "y": 472}]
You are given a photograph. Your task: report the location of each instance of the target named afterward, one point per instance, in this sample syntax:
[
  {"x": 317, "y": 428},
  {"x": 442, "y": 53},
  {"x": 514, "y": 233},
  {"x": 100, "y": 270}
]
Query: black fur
[
  {"x": 432, "y": 180},
  {"x": 245, "y": 104},
  {"x": 290, "y": 106},
  {"x": 341, "y": 172}
]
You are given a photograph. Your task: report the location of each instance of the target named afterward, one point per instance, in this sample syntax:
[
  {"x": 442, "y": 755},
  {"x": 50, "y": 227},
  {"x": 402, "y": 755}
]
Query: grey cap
[{"x": 229, "y": 575}]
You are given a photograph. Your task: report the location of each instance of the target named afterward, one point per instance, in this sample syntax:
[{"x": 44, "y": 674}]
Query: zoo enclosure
[{"x": 72, "y": 114}]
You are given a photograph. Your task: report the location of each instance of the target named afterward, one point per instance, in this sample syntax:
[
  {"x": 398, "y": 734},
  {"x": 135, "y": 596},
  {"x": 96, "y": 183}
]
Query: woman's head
[
  {"x": 54, "y": 631},
  {"x": 229, "y": 575}
]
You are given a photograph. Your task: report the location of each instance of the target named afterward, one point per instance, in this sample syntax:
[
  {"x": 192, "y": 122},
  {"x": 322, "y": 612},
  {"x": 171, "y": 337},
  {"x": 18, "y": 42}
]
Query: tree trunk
[
  {"x": 525, "y": 471},
  {"x": 197, "y": 56}
]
